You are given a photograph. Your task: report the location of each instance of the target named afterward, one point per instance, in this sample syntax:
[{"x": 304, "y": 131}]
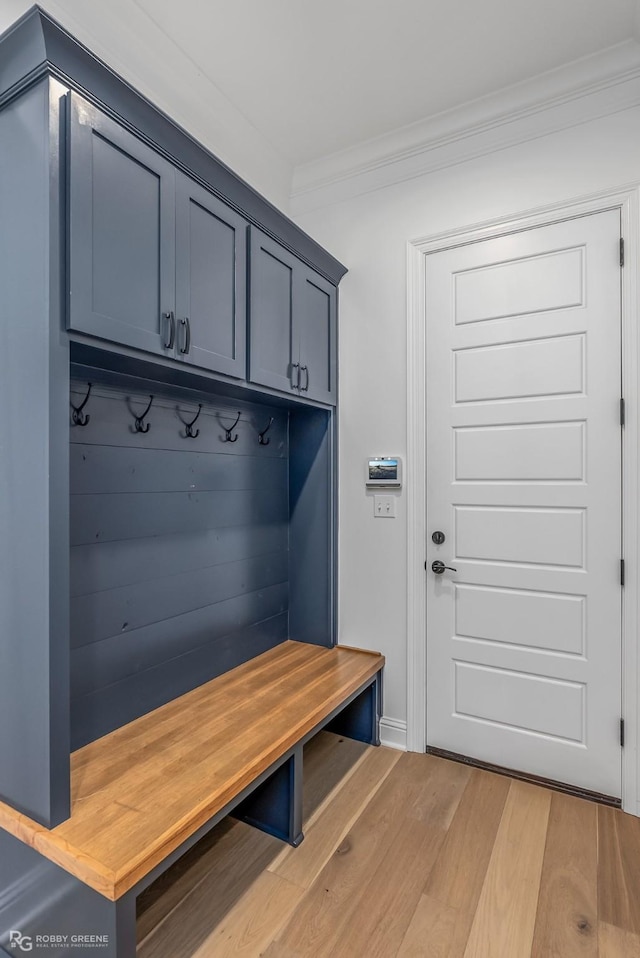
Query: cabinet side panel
[
  {"x": 34, "y": 745},
  {"x": 311, "y": 527}
]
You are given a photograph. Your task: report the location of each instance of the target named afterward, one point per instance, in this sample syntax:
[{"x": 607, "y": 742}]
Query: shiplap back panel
[{"x": 179, "y": 551}]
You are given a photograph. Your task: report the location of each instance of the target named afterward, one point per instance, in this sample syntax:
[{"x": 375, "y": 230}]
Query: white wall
[
  {"x": 121, "y": 34},
  {"x": 369, "y": 234}
]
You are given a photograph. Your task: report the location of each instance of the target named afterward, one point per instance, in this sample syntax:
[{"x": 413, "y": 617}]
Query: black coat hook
[
  {"x": 140, "y": 425},
  {"x": 188, "y": 426},
  {"x": 228, "y": 437},
  {"x": 78, "y": 417},
  {"x": 261, "y": 435}
]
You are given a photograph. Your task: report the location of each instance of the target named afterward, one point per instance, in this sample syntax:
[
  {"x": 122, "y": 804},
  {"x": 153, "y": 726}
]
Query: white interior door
[{"x": 524, "y": 481}]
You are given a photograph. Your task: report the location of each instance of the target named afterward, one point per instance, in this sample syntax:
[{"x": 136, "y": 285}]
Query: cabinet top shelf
[{"x": 37, "y": 46}]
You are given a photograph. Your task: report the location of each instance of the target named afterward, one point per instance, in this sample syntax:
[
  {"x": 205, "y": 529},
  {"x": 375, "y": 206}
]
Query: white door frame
[{"x": 627, "y": 200}]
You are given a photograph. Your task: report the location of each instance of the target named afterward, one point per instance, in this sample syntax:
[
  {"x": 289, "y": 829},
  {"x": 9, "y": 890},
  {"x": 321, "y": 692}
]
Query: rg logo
[{"x": 16, "y": 939}]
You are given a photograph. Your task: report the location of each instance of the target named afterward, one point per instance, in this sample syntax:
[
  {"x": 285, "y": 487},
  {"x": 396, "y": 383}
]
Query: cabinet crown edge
[{"x": 36, "y": 46}]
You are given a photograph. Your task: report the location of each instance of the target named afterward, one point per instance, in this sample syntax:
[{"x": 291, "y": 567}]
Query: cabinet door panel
[
  {"x": 211, "y": 279},
  {"x": 315, "y": 313},
  {"x": 121, "y": 232},
  {"x": 274, "y": 345}
]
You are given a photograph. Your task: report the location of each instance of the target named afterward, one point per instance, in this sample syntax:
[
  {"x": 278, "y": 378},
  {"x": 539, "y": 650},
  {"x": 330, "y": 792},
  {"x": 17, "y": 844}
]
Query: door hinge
[
  {"x": 622, "y": 412},
  {"x": 621, "y": 251},
  {"x": 621, "y": 571},
  {"x": 622, "y": 733}
]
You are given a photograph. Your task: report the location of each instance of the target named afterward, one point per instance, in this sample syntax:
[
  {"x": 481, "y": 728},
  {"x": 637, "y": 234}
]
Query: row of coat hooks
[{"x": 80, "y": 418}]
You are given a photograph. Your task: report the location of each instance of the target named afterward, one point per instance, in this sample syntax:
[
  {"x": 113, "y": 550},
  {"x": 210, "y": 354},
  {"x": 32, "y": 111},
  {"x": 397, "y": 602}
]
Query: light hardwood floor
[{"x": 407, "y": 856}]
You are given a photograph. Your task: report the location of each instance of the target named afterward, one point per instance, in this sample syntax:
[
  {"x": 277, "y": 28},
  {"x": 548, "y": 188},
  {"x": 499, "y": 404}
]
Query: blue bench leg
[
  {"x": 45, "y": 910},
  {"x": 275, "y": 806},
  {"x": 360, "y": 719}
]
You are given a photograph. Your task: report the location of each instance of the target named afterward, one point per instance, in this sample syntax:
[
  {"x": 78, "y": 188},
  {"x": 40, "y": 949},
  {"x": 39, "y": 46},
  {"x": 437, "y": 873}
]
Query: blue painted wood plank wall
[{"x": 179, "y": 551}]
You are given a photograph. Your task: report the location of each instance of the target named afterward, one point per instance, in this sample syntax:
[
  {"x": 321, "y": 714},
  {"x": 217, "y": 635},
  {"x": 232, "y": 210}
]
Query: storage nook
[{"x": 167, "y": 517}]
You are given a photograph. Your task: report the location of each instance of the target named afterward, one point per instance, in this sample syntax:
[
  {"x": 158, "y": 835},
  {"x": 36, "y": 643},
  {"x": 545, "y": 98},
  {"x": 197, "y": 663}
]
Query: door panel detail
[
  {"x": 511, "y": 616},
  {"x": 531, "y": 536},
  {"x": 521, "y": 287},
  {"x": 531, "y": 452},
  {"x": 523, "y": 370},
  {"x": 514, "y": 699}
]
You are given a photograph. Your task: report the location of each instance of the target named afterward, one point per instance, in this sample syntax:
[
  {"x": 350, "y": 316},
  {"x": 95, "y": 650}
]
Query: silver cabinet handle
[
  {"x": 172, "y": 329},
  {"x": 184, "y": 349},
  {"x": 294, "y": 367},
  {"x": 305, "y": 388}
]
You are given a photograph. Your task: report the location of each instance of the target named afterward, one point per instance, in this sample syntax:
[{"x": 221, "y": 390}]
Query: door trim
[{"x": 627, "y": 200}]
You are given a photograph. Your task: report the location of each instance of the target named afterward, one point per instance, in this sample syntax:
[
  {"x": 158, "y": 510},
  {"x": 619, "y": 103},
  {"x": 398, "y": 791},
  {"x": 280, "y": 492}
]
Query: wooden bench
[{"x": 144, "y": 794}]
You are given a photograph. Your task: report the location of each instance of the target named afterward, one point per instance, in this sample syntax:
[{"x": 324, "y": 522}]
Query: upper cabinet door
[
  {"x": 273, "y": 338},
  {"x": 121, "y": 234},
  {"x": 315, "y": 314},
  {"x": 211, "y": 242}
]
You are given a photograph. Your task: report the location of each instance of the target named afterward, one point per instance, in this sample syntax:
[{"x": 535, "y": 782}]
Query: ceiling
[
  {"x": 316, "y": 77},
  {"x": 313, "y": 77}
]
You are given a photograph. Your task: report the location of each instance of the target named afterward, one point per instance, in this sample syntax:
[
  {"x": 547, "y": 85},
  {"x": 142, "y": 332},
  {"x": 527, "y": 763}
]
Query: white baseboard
[{"x": 393, "y": 733}]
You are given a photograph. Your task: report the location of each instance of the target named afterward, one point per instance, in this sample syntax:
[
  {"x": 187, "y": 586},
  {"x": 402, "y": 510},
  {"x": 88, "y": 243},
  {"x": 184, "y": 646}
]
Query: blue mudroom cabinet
[
  {"x": 293, "y": 323},
  {"x": 182, "y": 518},
  {"x": 156, "y": 261}
]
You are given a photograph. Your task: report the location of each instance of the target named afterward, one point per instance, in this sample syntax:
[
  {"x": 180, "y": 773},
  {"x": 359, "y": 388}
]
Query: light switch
[{"x": 384, "y": 507}]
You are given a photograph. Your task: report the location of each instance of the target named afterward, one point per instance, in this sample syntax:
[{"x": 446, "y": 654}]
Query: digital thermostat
[{"x": 384, "y": 471}]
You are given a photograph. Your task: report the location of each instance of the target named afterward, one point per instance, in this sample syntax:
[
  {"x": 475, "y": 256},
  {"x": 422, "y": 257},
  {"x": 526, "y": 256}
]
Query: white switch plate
[{"x": 384, "y": 507}]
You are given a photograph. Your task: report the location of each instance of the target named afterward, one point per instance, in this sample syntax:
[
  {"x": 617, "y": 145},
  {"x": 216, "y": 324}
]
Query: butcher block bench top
[{"x": 140, "y": 792}]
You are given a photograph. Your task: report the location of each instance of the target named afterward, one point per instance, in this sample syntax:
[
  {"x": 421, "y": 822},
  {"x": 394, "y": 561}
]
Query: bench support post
[
  {"x": 360, "y": 719},
  {"x": 46, "y": 910},
  {"x": 275, "y": 806}
]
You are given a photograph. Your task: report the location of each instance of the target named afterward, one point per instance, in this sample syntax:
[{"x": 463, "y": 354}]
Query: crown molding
[{"x": 576, "y": 93}]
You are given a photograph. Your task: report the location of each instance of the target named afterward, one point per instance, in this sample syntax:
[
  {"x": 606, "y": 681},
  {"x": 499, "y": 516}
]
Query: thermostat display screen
[{"x": 384, "y": 471}]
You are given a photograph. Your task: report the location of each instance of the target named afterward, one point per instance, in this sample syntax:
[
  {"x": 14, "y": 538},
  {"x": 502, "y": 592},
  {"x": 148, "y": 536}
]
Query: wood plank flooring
[{"x": 407, "y": 856}]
